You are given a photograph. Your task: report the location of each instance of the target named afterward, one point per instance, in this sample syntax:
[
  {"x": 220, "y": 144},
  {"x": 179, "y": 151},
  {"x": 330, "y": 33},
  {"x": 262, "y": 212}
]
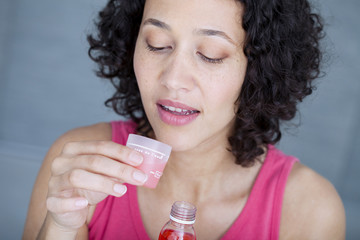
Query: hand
[{"x": 84, "y": 174}]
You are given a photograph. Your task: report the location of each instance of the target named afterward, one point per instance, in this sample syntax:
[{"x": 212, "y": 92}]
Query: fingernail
[
  {"x": 136, "y": 157},
  {"x": 119, "y": 188},
  {"x": 81, "y": 203},
  {"x": 140, "y": 176}
]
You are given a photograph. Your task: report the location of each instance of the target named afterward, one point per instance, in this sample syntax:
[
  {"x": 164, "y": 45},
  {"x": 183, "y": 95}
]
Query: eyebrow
[
  {"x": 157, "y": 23},
  {"x": 217, "y": 33},
  {"x": 205, "y": 32}
]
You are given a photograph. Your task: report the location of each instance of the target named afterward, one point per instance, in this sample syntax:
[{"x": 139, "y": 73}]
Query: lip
[
  {"x": 176, "y": 105},
  {"x": 176, "y": 119}
]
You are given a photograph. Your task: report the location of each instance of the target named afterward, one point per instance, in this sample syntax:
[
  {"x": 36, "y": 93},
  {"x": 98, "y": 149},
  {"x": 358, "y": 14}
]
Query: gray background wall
[{"x": 47, "y": 86}]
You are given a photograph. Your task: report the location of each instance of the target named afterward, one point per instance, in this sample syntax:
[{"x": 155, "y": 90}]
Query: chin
[{"x": 178, "y": 140}]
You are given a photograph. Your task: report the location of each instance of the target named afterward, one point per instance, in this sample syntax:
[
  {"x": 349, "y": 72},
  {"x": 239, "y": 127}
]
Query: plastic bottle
[{"x": 181, "y": 223}]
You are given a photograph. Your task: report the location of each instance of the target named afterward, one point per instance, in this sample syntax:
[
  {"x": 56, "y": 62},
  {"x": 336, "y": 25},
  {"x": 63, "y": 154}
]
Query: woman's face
[{"x": 190, "y": 66}]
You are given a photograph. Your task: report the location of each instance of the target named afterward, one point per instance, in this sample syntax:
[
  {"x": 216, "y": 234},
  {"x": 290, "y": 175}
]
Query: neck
[{"x": 199, "y": 173}]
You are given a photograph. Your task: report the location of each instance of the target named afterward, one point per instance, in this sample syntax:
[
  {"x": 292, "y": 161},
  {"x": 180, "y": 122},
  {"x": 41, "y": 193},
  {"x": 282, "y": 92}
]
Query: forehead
[{"x": 224, "y": 15}]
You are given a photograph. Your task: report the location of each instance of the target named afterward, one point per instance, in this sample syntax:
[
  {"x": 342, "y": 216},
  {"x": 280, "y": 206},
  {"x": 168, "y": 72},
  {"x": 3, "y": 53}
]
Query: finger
[
  {"x": 83, "y": 181},
  {"x": 105, "y": 148},
  {"x": 63, "y": 205},
  {"x": 101, "y": 165}
]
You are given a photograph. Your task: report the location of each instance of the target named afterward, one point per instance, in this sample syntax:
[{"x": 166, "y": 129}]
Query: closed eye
[
  {"x": 211, "y": 60},
  {"x": 154, "y": 49}
]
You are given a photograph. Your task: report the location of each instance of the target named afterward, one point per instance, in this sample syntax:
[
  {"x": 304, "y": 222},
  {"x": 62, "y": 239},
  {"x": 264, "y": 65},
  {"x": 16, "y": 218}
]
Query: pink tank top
[{"x": 120, "y": 218}]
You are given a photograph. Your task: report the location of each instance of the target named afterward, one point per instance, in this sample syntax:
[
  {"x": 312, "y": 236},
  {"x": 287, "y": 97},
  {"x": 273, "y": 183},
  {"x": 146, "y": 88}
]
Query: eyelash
[
  {"x": 154, "y": 49},
  {"x": 203, "y": 57},
  {"x": 211, "y": 60}
]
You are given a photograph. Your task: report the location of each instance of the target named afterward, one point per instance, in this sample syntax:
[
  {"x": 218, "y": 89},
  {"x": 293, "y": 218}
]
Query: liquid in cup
[{"x": 155, "y": 153}]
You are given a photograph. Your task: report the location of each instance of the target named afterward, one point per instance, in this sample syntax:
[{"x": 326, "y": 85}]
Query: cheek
[
  {"x": 223, "y": 93},
  {"x": 141, "y": 69},
  {"x": 138, "y": 62},
  {"x": 226, "y": 97},
  {"x": 227, "y": 83}
]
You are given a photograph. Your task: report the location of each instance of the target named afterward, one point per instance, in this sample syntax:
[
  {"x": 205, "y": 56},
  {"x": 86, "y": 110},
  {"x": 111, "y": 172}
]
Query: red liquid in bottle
[
  {"x": 170, "y": 234},
  {"x": 181, "y": 223}
]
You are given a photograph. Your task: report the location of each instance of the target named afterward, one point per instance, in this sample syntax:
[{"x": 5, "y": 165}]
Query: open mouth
[{"x": 178, "y": 111}]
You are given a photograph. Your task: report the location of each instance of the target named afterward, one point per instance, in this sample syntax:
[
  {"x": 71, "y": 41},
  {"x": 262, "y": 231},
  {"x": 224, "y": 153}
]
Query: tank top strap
[
  {"x": 121, "y": 130},
  {"x": 261, "y": 215}
]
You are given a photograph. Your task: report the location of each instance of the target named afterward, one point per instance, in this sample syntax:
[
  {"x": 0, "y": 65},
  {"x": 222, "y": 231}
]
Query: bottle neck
[
  {"x": 180, "y": 225},
  {"x": 181, "y": 221},
  {"x": 183, "y": 213}
]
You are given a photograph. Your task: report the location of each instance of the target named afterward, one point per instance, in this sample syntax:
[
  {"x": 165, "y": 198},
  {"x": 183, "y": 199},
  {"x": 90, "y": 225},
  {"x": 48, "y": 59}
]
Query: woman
[{"x": 213, "y": 79}]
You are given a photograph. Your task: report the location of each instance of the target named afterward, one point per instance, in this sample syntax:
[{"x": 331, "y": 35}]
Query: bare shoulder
[
  {"x": 312, "y": 208},
  {"x": 95, "y": 132},
  {"x": 99, "y": 131}
]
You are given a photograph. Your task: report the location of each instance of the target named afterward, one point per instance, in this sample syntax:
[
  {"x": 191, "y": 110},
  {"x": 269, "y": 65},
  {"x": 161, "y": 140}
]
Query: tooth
[
  {"x": 179, "y": 110},
  {"x": 171, "y": 109}
]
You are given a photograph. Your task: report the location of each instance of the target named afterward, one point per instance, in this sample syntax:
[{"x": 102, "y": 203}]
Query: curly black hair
[{"x": 282, "y": 45}]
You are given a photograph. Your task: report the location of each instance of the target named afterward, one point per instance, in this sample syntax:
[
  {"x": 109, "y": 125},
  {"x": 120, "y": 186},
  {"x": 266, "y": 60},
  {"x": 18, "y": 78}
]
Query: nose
[{"x": 177, "y": 74}]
